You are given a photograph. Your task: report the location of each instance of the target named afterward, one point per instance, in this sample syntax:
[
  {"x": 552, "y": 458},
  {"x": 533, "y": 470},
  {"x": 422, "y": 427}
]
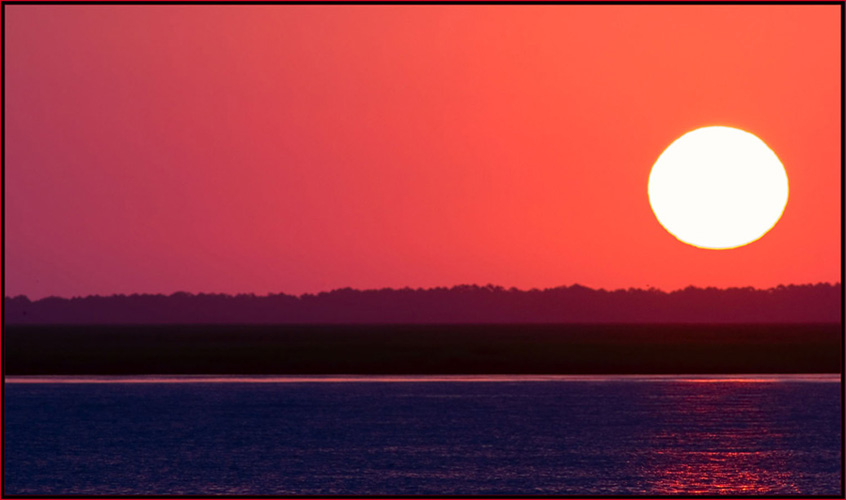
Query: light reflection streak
[
  {"x": 296, "y": 379},
  {"x": 722, "y": 473},
  {"x": 723, "y": 442}
]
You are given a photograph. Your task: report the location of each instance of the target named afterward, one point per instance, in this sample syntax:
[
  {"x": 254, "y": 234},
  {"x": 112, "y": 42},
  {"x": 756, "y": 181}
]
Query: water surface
[{"x": 468, "y": 435}]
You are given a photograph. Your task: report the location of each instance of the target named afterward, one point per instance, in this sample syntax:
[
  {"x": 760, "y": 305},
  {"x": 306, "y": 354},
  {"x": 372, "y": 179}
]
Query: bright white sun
[{"x": 718, "y": 188}]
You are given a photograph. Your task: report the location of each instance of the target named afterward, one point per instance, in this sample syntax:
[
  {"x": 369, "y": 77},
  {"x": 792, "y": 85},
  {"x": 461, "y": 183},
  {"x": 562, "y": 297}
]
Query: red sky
[{"x": 297, "y": 149}]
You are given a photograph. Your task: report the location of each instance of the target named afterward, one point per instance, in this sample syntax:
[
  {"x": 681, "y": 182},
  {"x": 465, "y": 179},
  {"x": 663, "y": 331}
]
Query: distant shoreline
[
  {"x": 563, "y": 349},
  {"x": 813, "y": 378},
  {"x": 464, "y": 304}
]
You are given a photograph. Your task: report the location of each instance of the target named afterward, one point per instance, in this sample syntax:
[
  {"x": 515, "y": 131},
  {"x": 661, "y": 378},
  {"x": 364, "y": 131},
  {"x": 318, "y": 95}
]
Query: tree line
[{"x": 821, "y": 302}]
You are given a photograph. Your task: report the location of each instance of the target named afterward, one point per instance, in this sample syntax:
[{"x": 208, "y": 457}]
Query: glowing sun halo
[{"x": 718, "y": 188}]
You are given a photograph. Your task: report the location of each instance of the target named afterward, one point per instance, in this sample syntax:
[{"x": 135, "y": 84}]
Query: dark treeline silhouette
[{"x": 812, "y": 303}]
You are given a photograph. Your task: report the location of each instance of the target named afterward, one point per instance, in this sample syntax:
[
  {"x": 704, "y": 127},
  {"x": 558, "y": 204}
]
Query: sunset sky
[{"x": 153, "y": 149}]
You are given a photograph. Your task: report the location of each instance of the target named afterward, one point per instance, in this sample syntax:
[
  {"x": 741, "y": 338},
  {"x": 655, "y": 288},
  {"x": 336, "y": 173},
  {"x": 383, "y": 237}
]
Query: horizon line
[
  {"x": 488, "y": 286},
  {"x": 821, "y": 377}
]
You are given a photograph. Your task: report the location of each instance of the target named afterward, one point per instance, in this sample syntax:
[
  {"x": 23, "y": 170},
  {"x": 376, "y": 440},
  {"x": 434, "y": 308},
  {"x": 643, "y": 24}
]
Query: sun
[{"x": 718, "y": 188}]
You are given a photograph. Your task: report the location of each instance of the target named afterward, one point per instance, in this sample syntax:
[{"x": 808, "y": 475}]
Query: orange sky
[{"x": 298, "y": 149}]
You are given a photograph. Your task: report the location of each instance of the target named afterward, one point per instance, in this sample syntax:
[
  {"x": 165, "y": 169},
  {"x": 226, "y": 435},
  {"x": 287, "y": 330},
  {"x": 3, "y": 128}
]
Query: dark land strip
[{"x": 421, "y": 349}]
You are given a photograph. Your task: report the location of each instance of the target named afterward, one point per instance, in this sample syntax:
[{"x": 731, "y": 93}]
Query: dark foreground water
[{"x": 424, "y": 436}]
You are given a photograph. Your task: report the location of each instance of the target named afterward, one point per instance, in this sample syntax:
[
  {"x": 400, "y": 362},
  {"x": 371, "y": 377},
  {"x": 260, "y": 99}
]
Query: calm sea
[{"x": 404, "y": 436}]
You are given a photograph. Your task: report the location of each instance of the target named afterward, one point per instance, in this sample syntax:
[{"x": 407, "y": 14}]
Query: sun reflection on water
[
  {"x": 719, "y": 472},
  {"x": 730, "y": 444}
]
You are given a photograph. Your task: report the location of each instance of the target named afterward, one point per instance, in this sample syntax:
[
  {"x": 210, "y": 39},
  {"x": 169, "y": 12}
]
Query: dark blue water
[{"x": 565, "y": 437}]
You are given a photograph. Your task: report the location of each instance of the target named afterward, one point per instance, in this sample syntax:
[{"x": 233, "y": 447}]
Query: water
[{"x": 423, "y": 436}]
